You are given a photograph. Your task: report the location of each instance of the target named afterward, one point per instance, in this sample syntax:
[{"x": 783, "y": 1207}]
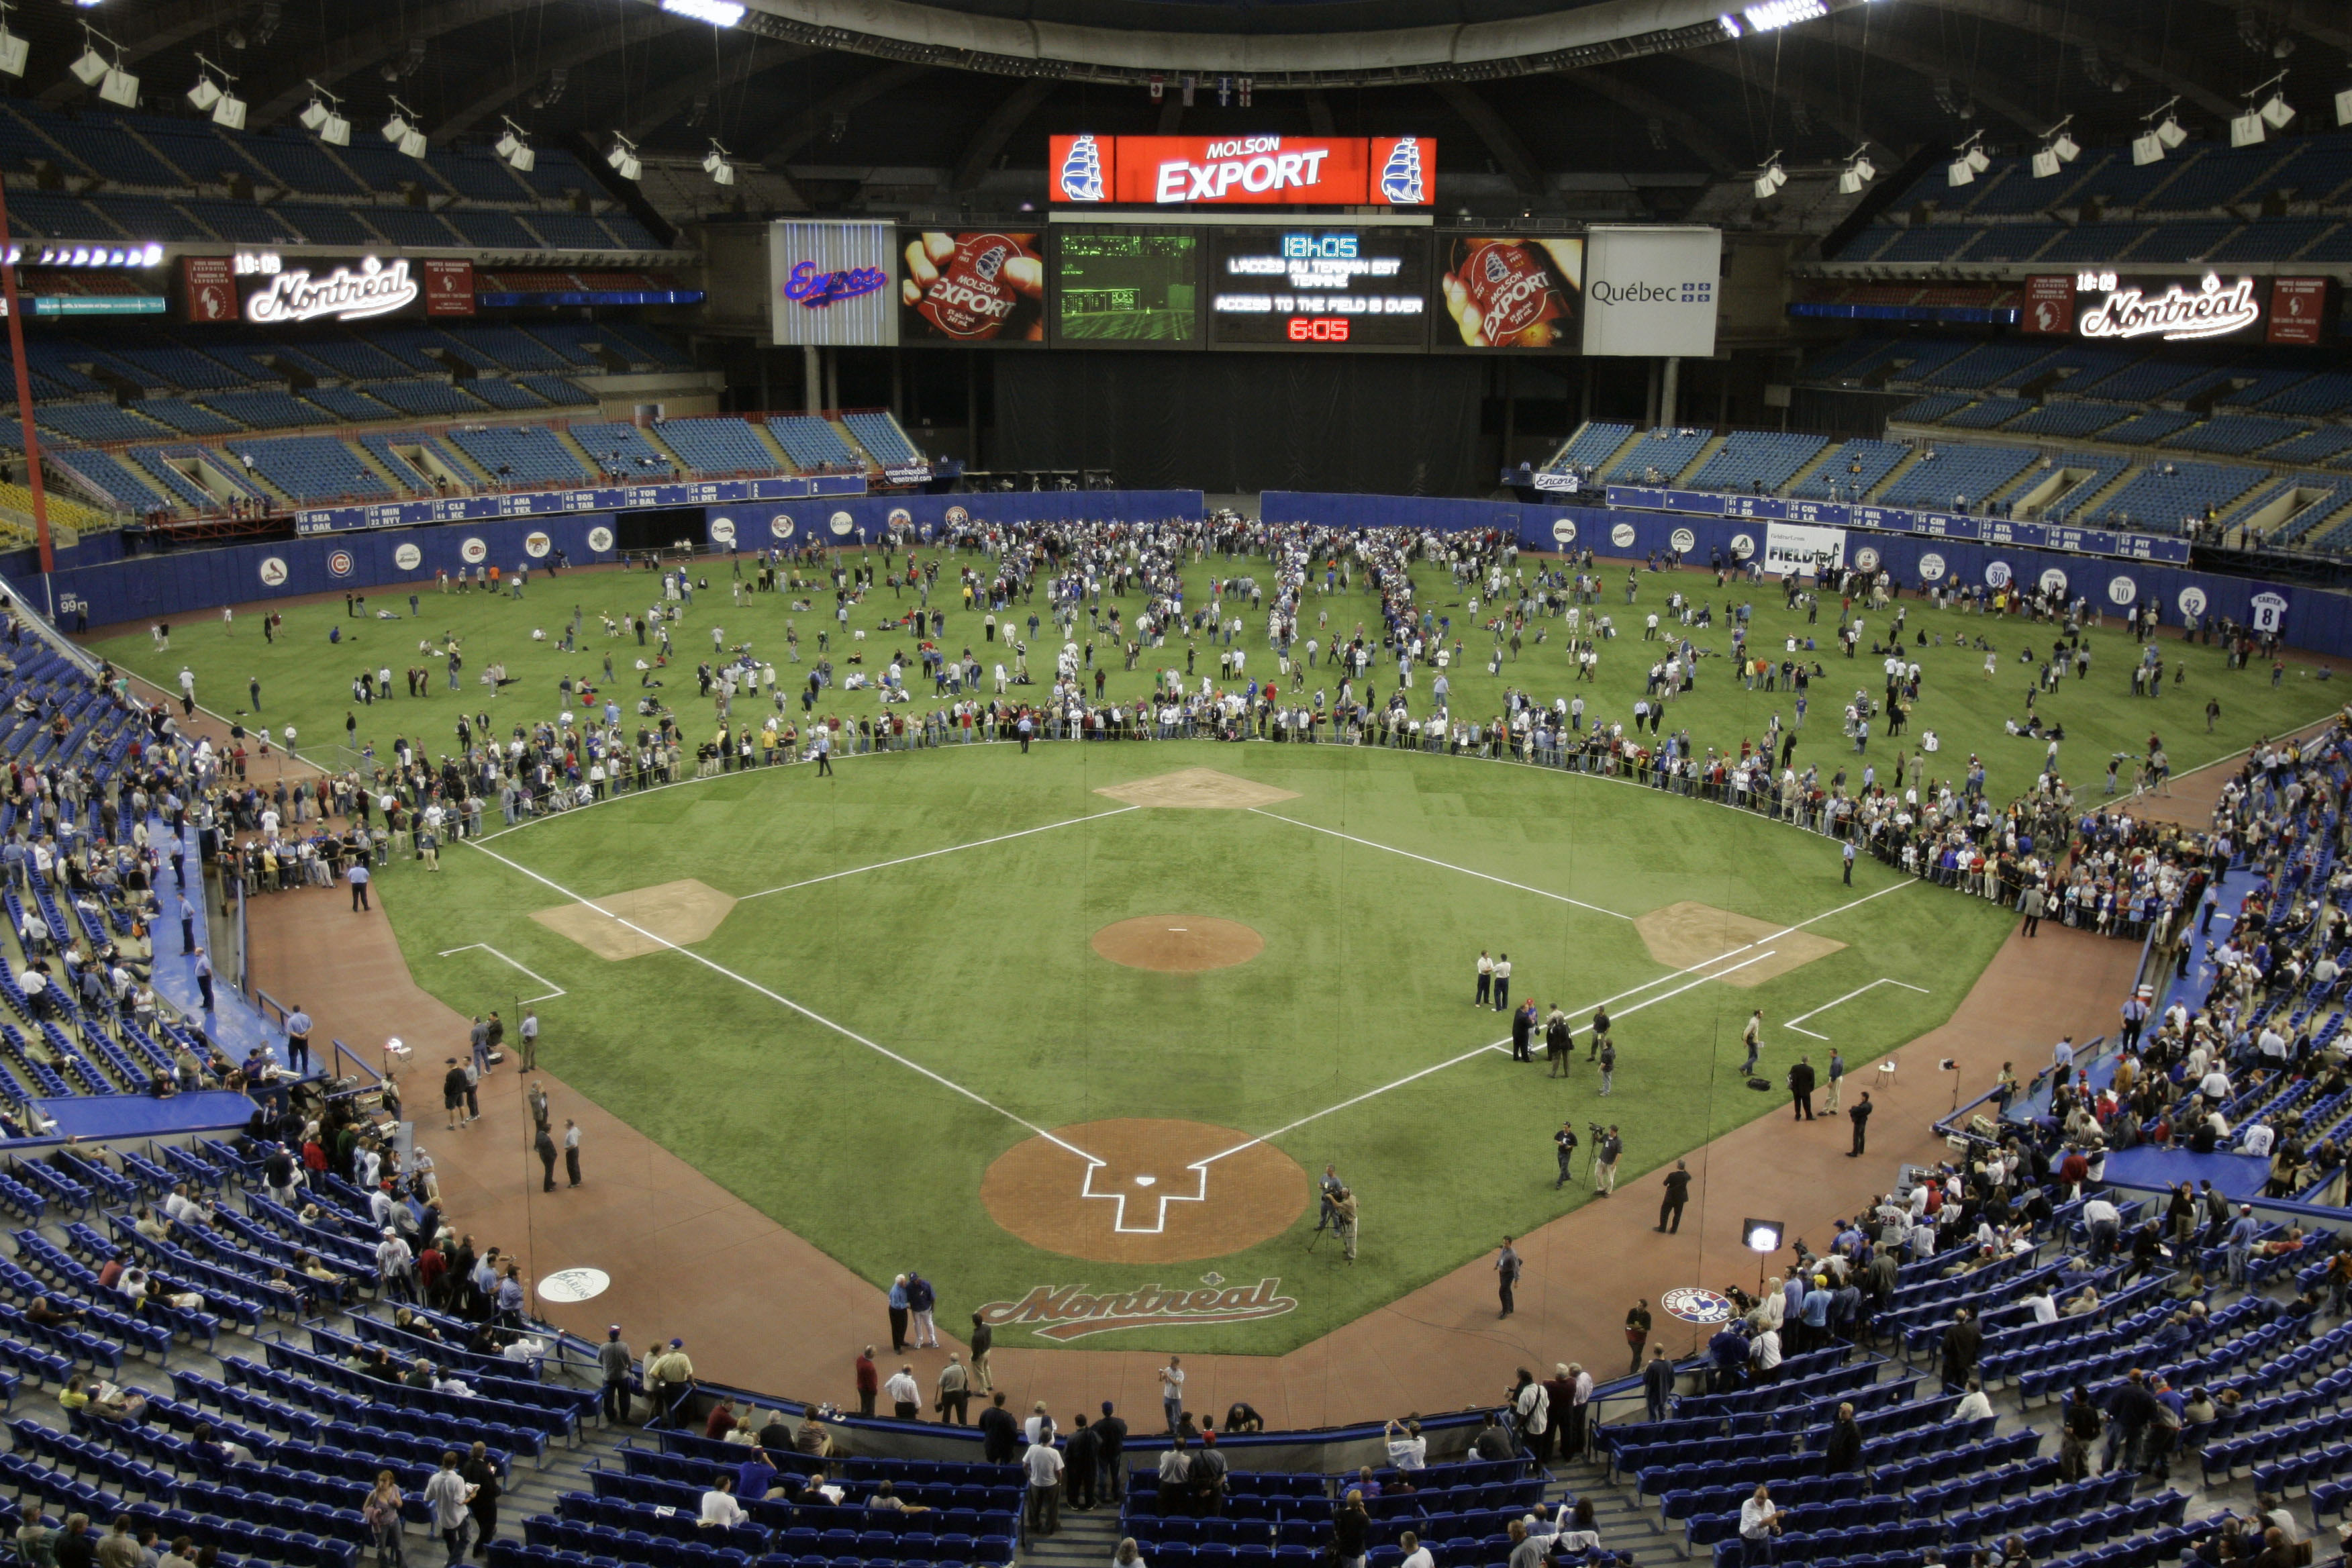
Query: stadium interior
[{"x": 2070, "y": 278}]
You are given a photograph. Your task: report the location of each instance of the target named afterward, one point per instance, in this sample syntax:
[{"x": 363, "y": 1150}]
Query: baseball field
[{"x": 1095, "y": 1015}]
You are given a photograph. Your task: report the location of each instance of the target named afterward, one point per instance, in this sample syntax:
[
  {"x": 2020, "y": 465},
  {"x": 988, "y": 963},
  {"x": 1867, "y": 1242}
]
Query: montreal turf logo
[
  {"x": 1063, "y": 1312},
  {"x": 1082, "y": 178},
  {"x": 1401, "y": 181}
]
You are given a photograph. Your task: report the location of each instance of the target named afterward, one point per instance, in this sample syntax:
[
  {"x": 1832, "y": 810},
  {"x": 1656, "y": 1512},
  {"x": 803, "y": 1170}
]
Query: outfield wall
[
  {"x": 96, "y": 586},
  {"x": 2313, "y": 619}
]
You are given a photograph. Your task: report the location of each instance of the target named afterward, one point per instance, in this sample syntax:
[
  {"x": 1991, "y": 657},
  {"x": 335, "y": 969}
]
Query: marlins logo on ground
[{"x": 1082, "y": 176}]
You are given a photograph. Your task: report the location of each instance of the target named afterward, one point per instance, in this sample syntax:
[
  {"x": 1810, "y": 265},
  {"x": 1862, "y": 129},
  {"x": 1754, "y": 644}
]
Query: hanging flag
[
  {"x": 1158, "y": 86},
  {"x": 1246, "y": 92},
  {"x": 1189, "y": 83},
  {"x": 1225, "y": 90}
]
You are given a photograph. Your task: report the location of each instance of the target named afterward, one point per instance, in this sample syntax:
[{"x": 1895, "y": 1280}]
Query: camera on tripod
[{"x": 1596, "y": 1129}]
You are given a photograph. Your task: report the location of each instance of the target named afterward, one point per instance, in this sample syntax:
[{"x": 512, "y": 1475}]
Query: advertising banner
[
  {"x": 1179, "y": 171},
  {"x": 959, "y": 288},
  {"x": 448, "y": 288},
  {"x": 1651, "y": 289},
  {"x": 2299, "y": 309},
  {"x": 1511, "y": 291},
  {"x": 1802, "y": 549},
  {"x": 2048, "y": 308},
  {"x": 212, "y": 288},
  {"x": 829, "y": 283}
]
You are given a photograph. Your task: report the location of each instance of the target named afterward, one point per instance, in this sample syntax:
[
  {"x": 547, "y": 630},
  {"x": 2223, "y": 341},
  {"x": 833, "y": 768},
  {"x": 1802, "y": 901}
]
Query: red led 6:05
[{"x": 1319, "y": 329}]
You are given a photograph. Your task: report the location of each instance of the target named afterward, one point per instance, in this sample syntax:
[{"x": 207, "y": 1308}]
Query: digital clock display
[{"x": 1364, "y": 288}]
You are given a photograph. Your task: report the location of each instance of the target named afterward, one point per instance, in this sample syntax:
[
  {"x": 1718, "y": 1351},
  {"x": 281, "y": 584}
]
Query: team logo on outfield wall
[
  {"x": 1742, "y": 546},
  {"x": 901, "y": 518},
  {"x": 841, "y": 522},
  {"x": 338, "y": 564},
  {"x": 957, "y": 517},
  {"x": 1064, "y": 1312},
  {"x": 722, "y": 530},
  {"x": 1693, "y": 1305},
  {"x": 1998, "y": 574},
  {"x": 535, "y": 545},
  {"x": 2053, "y": 581},
  {"x": 600, "y": 538},
  {"x": 473, "y": 552},
  {"x": 273, "y": 571},
  {"x": 1931, "y": 567},
  {"x": 408, "y": 557},
  {"x": 1684, "y": 541},
  {"x": 2122, "y": 591},
  {"x": 2192, "y": 601},
  {"x": 781, "y": 526},
  {"x": 1563, "y": 530},
  {"x": 1866, "y": 559},
  {"x": 1622, "y": 536}
]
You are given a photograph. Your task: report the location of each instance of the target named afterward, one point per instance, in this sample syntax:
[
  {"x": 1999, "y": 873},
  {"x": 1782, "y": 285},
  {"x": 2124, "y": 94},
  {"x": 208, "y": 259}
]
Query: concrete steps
[{"x": 1085, "y": 1541}]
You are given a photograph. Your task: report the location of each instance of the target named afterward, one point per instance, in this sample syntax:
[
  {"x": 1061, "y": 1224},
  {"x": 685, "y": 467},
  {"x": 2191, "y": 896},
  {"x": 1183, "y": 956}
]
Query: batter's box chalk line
[{"x": 1152, "y": 1195}]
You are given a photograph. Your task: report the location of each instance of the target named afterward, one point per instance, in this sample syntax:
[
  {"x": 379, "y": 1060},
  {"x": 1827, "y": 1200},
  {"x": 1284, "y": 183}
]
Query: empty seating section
[
  {"x": 2158, "y": 499},
  {"x": 812, "y": 443},
  {"x": 520, "y": 454},
  {"x": 716, "y": 448},
  {"x": 1589, "y": 446},
  {"x": 878, "y": 431},
  {"x": 1851, "y": 471},
  {"x": 1762, "y": 463},
  {"x": 1658, "y": 456},
  {"x": 1946, "y": 476},
  {"x": 314, "y": 469},
  {"x": 623, "y": 452}
]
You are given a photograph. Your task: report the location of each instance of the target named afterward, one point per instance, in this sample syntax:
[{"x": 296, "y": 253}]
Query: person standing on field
[
  {"x": 1486, "y": 981},
  {"x": 1502, "y": 983}
]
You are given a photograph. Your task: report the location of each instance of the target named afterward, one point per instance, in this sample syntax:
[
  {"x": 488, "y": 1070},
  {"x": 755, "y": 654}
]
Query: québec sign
[{"x": 376, "y": 288}]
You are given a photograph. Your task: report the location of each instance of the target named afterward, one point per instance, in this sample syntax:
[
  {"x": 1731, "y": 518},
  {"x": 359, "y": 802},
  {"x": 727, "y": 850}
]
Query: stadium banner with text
[
  {"x": 2103, "y": 305},
  {"x": 553, "y": 503},
  {"x": 448, "y": 288},
  {"x": 829, "y": 283},
  {"x": 1651, "y": 289},
  {"x": 1802, "y": 549},
  {"x": 1225, "y": 171},
  {"x": 1318, "y": 287},
  {"x": 1510, "y": 291},
  {"x": 964, "y": 287},
  {"x": 1901, "y": 519},
  {"x": 210, "y": 282}
]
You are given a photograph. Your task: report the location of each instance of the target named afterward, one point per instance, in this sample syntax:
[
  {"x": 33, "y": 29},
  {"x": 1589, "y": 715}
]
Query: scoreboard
[{"x": 1319, "y": 287}]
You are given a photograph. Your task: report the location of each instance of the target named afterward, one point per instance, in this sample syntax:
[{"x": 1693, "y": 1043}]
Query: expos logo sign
[
  {"x": 1931, "y": 567},
  {"x": 814, "y": 291},
  {"x": 1693, "y": 1305},
  {"x": 1866, "y": 559}
]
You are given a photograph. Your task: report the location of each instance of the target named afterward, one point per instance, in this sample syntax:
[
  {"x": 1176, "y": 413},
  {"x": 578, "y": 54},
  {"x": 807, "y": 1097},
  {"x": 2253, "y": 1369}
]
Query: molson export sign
[
  {"x": 1063, "y": 1312},
  {"x": 1224, "y": 170}
]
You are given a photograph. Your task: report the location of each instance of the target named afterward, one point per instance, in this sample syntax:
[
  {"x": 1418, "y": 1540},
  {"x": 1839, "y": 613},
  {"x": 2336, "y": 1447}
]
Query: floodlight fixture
[{"x": 623, "y": 157}]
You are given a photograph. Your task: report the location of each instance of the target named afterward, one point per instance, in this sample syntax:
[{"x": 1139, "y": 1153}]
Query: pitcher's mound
[
  {"x": 1200, "y": 789},
  {"x": 1178, "y": 945},
  {"x": 1684, "y": 935},
  {"x": 680, "y": 912},
  {"x": 1145, "y": 1203}
]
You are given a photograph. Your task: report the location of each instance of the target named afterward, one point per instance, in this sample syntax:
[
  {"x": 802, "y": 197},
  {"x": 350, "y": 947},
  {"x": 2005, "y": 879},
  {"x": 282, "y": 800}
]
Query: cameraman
[
  {"x": 1564, "y": 1141},
  {"x": 1607, "y": 1147}
]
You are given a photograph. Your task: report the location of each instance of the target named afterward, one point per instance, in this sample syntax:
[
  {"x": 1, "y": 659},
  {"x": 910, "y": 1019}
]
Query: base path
[
  {"x": 1142, "y": 1198},
  {"x": 652, "y": 1221},
  {"x": 1684, "y": 936}
]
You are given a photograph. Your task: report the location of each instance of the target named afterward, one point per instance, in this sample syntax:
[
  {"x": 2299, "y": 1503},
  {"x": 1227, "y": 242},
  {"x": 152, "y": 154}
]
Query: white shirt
[
  {"x": 1502, "y": 969},
  {"x": 902, "y": 1389},
  {"x": 1172, "y": 1382},
  {"x": 1419, "y": 1559},
  {"x": 1973, "y": 1406},
  {"x": 2214, "y": 1085},
  {"x": 1409, "y": 1454},
  {"x": 2098, "y": 1210},
  {"x": 721, "y": 1509},
  {"x": 1755, "y": 1514},
  {"x": 2258, "y": 1139},
  {"x": 1045, "y": 1464},
  {"x": 2045, "y": 1310}
]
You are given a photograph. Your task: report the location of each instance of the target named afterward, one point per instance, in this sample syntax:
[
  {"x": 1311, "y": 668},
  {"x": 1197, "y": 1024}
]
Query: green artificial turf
[{"x": 974, "y": 965}]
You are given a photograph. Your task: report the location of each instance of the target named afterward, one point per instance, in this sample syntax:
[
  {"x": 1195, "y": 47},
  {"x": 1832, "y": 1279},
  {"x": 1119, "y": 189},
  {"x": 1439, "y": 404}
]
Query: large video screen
[
  {"x": 1510, "y": 291},
  {"x": 1309, "y": 288},
  {"x": 1124, "y": 286},
  {"x": 967, "y": 286}
]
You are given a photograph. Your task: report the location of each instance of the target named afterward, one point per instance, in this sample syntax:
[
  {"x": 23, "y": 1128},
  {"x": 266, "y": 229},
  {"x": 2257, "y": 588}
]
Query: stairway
[
  {"x": 1085, "y": 1541},
  {"x": 1625, "y": 1524},
  {"x": 1829, "y": 449}
]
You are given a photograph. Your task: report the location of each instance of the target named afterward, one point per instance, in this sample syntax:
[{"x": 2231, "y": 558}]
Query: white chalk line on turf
[
  {"x": 928, "y": 853},
  {"x": 553, "y": 990},
  {"x": 782, "y": 1001},
  {"x": 1442, "y": 865},
  {"x": 1648, "y": 986},
  {"x": 1882, "y": 980}
]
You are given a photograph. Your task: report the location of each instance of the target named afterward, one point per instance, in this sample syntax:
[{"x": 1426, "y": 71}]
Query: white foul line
[
  {"x": 786, "y": 1002},
  {"x": 553, "y": 990},
  {"x": 1849, "y": 996},
  {"x": 1636, "y": 991},
  {"x": 1442, "y": 865},
  {"x": 926, "y": 855}
]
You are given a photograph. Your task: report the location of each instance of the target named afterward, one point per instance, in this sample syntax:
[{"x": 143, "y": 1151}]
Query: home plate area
[{"x": 1144, "y": 1191}]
